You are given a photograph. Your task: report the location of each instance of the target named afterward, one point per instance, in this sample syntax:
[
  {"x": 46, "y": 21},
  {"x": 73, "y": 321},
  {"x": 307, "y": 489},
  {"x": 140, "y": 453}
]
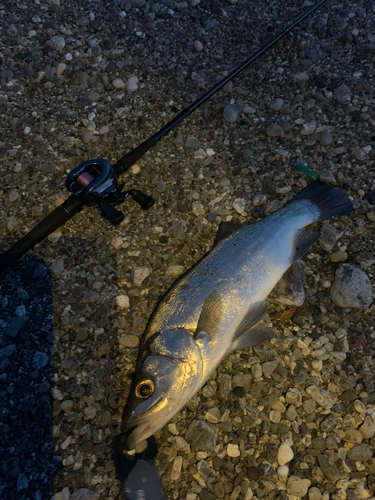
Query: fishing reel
[{"x": 95, "y": 183}]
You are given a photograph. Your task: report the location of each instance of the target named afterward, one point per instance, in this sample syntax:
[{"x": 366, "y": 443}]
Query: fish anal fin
[
  {"x": 253, "y": 316},
  {"x": 226, "y": 229},
  {"x": 303, "y": 242},
  {"x": 211, "y": 314},
  {"x": 254, "y": 336}
]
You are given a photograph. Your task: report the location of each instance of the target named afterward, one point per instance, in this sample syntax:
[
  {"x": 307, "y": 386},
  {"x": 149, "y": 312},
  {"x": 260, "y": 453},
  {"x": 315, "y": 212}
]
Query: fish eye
[{"x": 145, "y": 389}]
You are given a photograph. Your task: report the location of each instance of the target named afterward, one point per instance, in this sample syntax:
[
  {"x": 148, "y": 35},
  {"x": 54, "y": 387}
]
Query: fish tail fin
[{"x": 328, "y": 200}]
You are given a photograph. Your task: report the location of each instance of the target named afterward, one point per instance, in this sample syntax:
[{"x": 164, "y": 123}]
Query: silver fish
[{"x": 214, "y": 307}]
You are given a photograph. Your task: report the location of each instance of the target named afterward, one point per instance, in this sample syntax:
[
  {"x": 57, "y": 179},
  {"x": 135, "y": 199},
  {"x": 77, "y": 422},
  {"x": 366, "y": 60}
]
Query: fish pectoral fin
[
  {"x": 253, "y": 316},
  {"x": 252, "y": 337},
  {"x": 303, "y": 242},
  {"x": 226, "y": 229},
  {"x": 211, "y": 314}
]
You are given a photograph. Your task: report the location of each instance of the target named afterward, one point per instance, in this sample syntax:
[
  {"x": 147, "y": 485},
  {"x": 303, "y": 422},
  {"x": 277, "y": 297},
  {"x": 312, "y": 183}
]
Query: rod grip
[{"x": 53, "y": 221}]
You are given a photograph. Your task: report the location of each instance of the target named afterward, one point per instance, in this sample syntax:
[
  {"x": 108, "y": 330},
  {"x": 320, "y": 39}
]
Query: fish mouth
[{"x": 137, "y": 429}]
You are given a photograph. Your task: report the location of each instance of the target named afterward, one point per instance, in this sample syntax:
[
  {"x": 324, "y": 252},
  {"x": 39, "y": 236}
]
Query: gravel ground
[{"x": 293, "y": 418}]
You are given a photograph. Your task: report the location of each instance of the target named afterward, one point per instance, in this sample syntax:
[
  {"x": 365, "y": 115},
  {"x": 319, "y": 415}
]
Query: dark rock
[
  {"x": 16, "y": 325},
  {"x": 329, "y": 423},
  {"x": 320, "y": 82},
  {"x": 202, "y": 435}
]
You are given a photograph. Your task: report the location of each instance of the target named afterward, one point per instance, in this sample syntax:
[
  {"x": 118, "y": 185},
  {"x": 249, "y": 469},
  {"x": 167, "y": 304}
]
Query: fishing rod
[{"x": 95, "y": 182}]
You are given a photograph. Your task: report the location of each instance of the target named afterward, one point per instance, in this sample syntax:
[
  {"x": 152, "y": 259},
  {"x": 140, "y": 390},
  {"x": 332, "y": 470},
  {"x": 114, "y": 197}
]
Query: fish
[{"x": 216, "y": 306}]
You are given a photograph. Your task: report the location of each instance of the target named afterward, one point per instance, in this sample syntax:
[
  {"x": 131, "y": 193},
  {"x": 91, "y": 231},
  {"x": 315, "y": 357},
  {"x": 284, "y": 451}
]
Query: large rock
[
  {"x": 202, "y": 435},
  {"x": 351, "y": 288},
  {"x": 289, "y": 290}
]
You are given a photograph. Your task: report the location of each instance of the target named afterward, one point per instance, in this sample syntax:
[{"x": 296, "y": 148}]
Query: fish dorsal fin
[
  {"x": 254, "y": 314},
  {"x": 303, "y": 242},
  {"x": 226, "y": 229},
  {"x": 211, "y": 313},
  {"x": 252, "y": 337}
]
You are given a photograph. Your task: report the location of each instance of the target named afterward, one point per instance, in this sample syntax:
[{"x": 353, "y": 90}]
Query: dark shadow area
[{"x": 27, "y": 464}]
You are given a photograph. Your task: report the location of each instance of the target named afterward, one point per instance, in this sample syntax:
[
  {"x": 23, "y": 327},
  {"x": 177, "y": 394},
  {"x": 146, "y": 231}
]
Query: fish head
[{"x": 169, "y": 371}]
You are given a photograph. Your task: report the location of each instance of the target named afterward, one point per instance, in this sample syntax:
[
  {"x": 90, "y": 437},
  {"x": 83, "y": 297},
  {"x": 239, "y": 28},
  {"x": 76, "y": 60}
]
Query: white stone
[
  {"x": 132, "y": 83},
  {"x": 233, "y": 450},
  {"x": 283, "y": 471},
  {"x": 198, "y": 46},
  {"x": 123, "y": 301},
  {"x": 135, "y": 169},
  {"x": 239, "y": 205},
  {"x": 116, "y": 243},
  {"x": 285, "y": 454}
]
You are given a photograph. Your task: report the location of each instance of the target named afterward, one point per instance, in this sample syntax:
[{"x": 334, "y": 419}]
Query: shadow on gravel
[{"x": 27, "y": 464}]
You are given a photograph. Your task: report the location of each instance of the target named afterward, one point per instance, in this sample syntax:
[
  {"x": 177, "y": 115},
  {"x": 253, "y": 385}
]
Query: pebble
[
  {"x": 322, "y": 397},
  {"x": 202, "y": 436},
  {"x": 57, "y": 266},
  {"x": 90, "y": 412},
  {"x": 352, "y": 435},
  {"x": 339, "y": 256},
  {"x": 367, "y": 429},
  {"x": 129, "y": 341},
  {"x": 233, "y": 450},
  {"x": 308, "y": 128},
  {"x": 192, "y": 142},
  {"x": 337, "y": 356},
  {"x": 329, "y": 423},
  {"x": 301, "y": 77},
  {"x": 57, "y": 42},
  {"x": 176, "y": 468},
  {"x": 342, "y": 94},
  {"x": 277, "y": 104},
  {"x": 327, "y": 238},
  {"x": 296, "y": 486},
  {"x": 175, "y": 270},
  {"x": 231, "y": 112},
  {"x": 60, "y": 68},
  {"x": 132, "y": 83},
  {"x": 118, "y": 83},
  {"x": 325, "y": 137},
  {"x": 360, "y": 452},
  {"x": 328, "y": 177},
  {"x": 283, "y": 471},
  {"x": 13, "y": 196},
  {"x": 314, "y": 493},
  {"x": 198, "y": 46},
  {"x": 139, "y": 274},
  {"x": 274, "y": 130},
  {"x": 123, "y": 301},
  {"x": 285, "y": 454},
  {"x": 239, "y": 205},
  {"x": 40, "y": 360},
  {"x": 351, "y": 288}
]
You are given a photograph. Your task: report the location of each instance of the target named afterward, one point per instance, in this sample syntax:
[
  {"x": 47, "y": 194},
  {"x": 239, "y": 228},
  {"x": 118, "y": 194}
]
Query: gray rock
[
  {"x": 342, "y": 94},
  {"x": 322, "y": 397},
  {"x": 314, "y": 493},
  {"x": 329, "y": 423},
  {"x": 308, "y": 128},
  {"x": 7, "y": 351},
  {"x": 296, "y": 486},
  {"x": 301, "y": 77},
  {"x": 202, "y": 435},
  {"x": 97, "y": 389},
  {"x": 328, "y": 177},
  {"x": 16, "y": 325},
  {"x": 274, "y": 130},
  {"x": 57, "y": 42},
  {"x": 277, "y": 104},
  {"x": 192, "y": 142},
  {"x": 360, "y": 452},
  {"x": 40, "y": 360},
  {"x": 314, "y": 54},
  {"x": 327, "y": 238},
  {"x": 231, "y": 112},
  {"x": 329, "y": 469},
  {"x": 351, "y": 288},
  {"x": 57, "y": 266},
  {"x": 205, "y": 471},
  {"x": 289, "y": 290},
  {"x": 84, "y": 494},
  {"x": 264, "y": 353},
  {"x": 325, "y": 138},
  {"x": 22, "y": 482},
  {"x": 138, "y": 3},
  {"x": 225, "y": 385}
]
